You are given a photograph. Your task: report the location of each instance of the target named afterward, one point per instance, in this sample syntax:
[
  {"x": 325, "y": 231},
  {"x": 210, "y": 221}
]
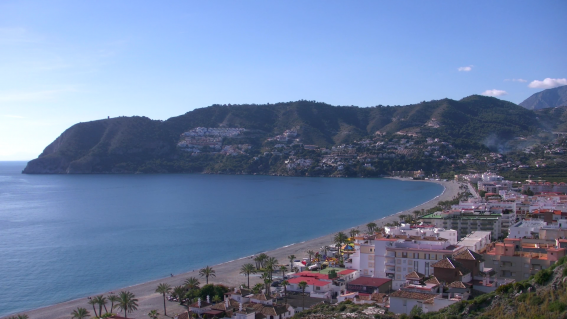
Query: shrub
[
  {"x": 504, "y": 289},
  {"x": 556, "y": 306},
  {"x": 543, "y": 276},
  {"x": 523, "y": 297},
  {"x": 564, "y": 271},
  {"x": 536, "y": 300}
]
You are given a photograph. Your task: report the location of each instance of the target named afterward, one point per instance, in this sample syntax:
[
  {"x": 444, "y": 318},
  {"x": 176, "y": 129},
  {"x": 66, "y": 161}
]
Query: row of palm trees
[
  {"x": 190, "y": 284},
  {"x": 125, "y": 301}
]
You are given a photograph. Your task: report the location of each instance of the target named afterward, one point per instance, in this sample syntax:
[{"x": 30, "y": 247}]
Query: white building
[{"x": 476, "y": 240}]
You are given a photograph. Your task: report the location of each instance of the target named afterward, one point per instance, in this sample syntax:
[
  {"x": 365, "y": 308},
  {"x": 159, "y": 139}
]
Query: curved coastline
[{"x": 227, "y": 272}]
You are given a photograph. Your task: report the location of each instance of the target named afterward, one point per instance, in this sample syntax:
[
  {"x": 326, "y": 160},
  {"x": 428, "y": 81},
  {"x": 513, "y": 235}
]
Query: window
[
  {"x": 399, "y": 261},
  {"x": 427, "y": 269},
  {"x": 405, "y": 302}
]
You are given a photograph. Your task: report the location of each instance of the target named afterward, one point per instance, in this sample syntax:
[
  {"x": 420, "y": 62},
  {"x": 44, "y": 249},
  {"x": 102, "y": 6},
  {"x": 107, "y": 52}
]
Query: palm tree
[
  {"x": 112, "y": 299},
  {"x": 247, "y": 269},
  {"x": 153, "y": 314},
  {"x": 217, "y": 299},
  {"x": 100, "y": 300},
  {"x": 283, "y": 268},
  {"x": 402, "y": 217},
  {"x": 80, "y": 313},
  {"x": 371, "y": 227},
  {"x": 262, "y": 258},
  {"x": 207, "y": 272},
  {"x": 258, "y": 261},
  {"x": 284, "y": 284},
  {"x": 179, "y": 292},
  {"x": 269, "y": 265},
  {"x": 127, "y": 301},
  {"x": 267, "y": 282},
  {"x": 325, "y": 249},
  {"x": 258, "y": 287},
  {"x": 92, "y": 302},
  {"x": 310, "y": 253},
  {"x": 192, "y": 283},
  {"x": 303, "y": 285},
  {"x": 291, "y": 259},
  {"x": 163, "y": 289},
  {"x": 22, "y": 316},
  {"x": 339, "y": 239}
]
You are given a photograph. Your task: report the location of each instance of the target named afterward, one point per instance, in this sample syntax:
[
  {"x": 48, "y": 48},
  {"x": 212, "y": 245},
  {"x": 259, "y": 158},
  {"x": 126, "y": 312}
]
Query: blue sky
[{"x": 63, "y": 62}]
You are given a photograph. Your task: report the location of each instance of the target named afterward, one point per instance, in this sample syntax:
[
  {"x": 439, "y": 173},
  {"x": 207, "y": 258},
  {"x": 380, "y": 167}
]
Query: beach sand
[{"x": 226, "y": 273}]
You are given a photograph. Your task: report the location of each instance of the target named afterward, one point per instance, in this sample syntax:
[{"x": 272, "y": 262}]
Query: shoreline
[{"x": 227, "y": 272}]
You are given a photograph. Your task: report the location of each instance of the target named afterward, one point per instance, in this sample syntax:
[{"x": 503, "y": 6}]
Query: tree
[
  {"x": 291, "y": 259},
  {"x": 310, "y": 253},
  {"x": 284, "y": 284},
  {"x": 217, "y": 299},
  {"x": 163, "y": 289},
  {"x": 22, "y": 316},
  {"x": 92, "y": 302},
  {"x": 303, "y": 285},
  {"x": 339, "y": 239},
  {"x": 247, "y": 269},
  {"x": 153, "y": 314},
  {"x": 207, "y": 272},
  {"x": 192, "y": 283},
  {"x": 371, "y": 227},
  {"x": 353, "y": 232},
  {"x": 416, "y": 311},
  {"x": 100, "y": 300},
  {"x": 267, "y": 282},
  {"x": 80, "y": 313},
  {"x": 257, "y": 288},
  {"x": 325, "y": 249},
  {"x": 283, "y": 269},
  {"x": 127, "y": 302},
  {"x": 112, "y": 299},
  {"x": 270, "y": 263},
  {"x": 179, "y": 292},
  {"x": 262, "y": 259}
]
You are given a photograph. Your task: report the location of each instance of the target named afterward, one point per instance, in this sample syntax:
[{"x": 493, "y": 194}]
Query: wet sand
[{"x": 226, "y": 273}]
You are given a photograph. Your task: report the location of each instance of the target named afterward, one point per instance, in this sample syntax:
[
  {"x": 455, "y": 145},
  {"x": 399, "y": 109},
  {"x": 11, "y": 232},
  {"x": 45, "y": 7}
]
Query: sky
[{"x": 64, "y": 62}]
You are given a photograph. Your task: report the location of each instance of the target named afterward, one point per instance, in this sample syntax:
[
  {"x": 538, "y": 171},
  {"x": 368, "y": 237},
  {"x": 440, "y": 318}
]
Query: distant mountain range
[
  {"x": 124, "y": 144},
  {"x": 547, "y": 98}
]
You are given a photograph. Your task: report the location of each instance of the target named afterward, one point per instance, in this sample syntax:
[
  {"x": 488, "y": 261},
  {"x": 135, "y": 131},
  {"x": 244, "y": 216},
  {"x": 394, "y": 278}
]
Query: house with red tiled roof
[
  {"x": 450, "y": 270},
  {"x": 370, "y": 285},
  {"x": 315, "y": 287}
]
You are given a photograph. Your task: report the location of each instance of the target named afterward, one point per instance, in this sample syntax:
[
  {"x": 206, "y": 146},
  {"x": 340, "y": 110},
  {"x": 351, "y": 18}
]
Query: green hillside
[{"x": 138, "y": 144}]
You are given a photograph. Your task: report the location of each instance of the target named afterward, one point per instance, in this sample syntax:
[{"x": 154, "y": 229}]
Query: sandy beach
[{"x": 226, "y": 273}]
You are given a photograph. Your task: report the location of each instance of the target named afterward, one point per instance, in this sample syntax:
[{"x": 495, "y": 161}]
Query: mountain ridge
[
  {"x": 123, "y": 144},
  {"x": 546, "y": 99}
]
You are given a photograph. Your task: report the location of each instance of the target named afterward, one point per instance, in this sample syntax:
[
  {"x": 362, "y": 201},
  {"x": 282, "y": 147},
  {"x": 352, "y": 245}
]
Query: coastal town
[
  {"x": 493, "y": 233},
  {"x": 380, "y": 154}
]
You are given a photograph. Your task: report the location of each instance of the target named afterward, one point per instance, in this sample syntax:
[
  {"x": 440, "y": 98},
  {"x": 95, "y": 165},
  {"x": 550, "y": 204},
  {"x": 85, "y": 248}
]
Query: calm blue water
[{"x": 64, "y": 237}]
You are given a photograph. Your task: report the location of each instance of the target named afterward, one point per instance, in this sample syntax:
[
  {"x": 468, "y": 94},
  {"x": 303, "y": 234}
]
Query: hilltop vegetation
[{"x": 138, "y": 144}]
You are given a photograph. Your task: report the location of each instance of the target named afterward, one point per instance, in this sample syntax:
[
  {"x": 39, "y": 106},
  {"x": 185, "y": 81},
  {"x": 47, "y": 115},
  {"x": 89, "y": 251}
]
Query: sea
[{"x": 64, "y": 237}]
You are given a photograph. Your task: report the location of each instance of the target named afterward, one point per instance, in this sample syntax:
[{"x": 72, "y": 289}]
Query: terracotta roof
[
  {"x": 433, "y": 280},
  {"x": 312, "y": 274},
  {"x": 346, "y": 271},
  {"x": 261, "y": 297},
  {"x": 444, "y": 263},
  {"x": 457, "y": 284},
  {"x": 371, "y": 282},
  {"x": 309, "y": 281},
  {"x": 203, "y": 304},
  {"x": 184, "y": 315},
  {"x": 414, "y": 276},
  {"x": 410, "y": 295},
  {"x": 450, "y": 263},
  {"x": 430, "y": 301},
  {"x": 468, "y": 254}
]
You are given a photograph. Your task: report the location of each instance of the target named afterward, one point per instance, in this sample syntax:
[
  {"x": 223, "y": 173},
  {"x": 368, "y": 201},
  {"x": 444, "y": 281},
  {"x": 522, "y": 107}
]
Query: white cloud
[
  {"x": 516, "y": 80},
  {"x": 494, "y": 92},
  {"x": 548, "y": 83},
  {"x": 465, "y": 68}
]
